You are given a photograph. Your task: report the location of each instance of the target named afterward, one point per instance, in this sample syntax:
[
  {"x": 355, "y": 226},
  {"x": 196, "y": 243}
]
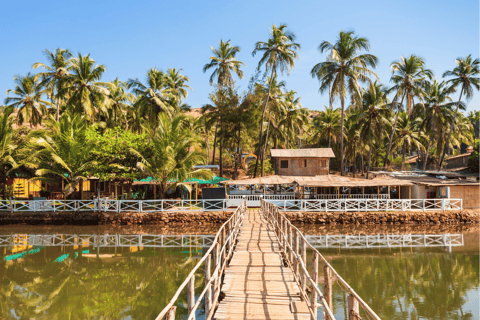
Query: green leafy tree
[
  {"x": 7, "y": 147},
  {"x": 343, "y": 72},
  {"x": 466, "y": 76},
  {"x": 279, "y": 55}
]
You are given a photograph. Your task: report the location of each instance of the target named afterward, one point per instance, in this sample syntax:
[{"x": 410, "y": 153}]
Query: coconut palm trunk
[
  {"x": 369, "y": 158},
  {"x": 390, "y": 140},
  {"x": 214, "y": 144},
  {"x": 342, "y": 121},
  {"x": 261, "y": 122},
  {"x": 427, "y": 151},
  {"x": 445, "y": 148},
  {"x": 265, "y": 146},
  {"x": 404, "y": 149}
]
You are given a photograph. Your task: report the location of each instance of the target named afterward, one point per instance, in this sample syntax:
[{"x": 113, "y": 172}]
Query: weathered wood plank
[{"x": 257, "y": 285}]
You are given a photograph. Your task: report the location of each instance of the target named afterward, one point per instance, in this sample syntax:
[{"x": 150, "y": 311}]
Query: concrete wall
[
  {"x": 469, "y": 194},
  {"x": 296, "y": 166}
]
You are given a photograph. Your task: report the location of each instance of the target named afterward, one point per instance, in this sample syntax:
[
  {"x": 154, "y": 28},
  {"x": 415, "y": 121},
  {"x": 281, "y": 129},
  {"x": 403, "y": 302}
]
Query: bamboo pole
[
  {"x": 304, "y": 259},
  {"x": 208, "y": 295},
  {"x": 313, "y": 297},
  {"x": 171, "y": 313},
  {"x": 353, "y": 308},
  {"x": 328, "y": 288},
  {"x": 191, "y": 295}
]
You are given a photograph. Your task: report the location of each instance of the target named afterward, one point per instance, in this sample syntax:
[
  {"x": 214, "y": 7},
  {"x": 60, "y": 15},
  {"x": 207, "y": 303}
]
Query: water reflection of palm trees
[
  {"x": 412, "y": 286},
  {"x": 137, "y": 286}
]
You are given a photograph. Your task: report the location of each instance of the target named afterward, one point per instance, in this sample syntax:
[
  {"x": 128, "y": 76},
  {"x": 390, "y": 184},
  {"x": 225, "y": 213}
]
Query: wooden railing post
[
  {"x": 327, "y": 291},
  {"x": 353, "y": 308},
  {"x": 289, "y": 240},
  {"x": 208, "y": 294},
  {"x": 223, "y": 244},
  {"x": 297, "y": 246},
  {"x": 191, "y": 296},
  {"x": 171, "y": 313},
  {"x": 313, "y": 297},
  {"x": 304, "y": 259}
]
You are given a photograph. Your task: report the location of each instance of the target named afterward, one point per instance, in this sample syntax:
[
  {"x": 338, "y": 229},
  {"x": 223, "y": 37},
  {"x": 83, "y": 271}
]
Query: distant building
[{"x": 302, "y": 162}]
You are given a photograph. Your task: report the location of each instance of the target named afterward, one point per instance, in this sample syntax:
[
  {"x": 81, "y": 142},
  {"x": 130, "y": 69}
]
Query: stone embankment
[
  {"x": 164, "y": 218},
  {"x": 415, "y": 217},
  {"x": 100, "y": 218}
]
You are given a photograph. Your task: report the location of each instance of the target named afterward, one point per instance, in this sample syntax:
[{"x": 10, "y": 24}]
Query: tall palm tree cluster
[{"x": 79, "y": 125}]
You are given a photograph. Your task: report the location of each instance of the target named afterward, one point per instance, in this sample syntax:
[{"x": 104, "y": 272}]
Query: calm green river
[{"x": 94, "y": 276}]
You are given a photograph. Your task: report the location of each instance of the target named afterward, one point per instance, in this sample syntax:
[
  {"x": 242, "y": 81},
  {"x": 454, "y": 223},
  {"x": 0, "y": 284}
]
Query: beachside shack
[
  {"x": 316, "y": 187},
  {"x": 302, "y": 162}
]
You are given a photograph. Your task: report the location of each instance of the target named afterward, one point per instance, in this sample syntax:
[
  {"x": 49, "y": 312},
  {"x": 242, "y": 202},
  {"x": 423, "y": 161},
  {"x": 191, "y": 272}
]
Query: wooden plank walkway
[{"x": 257, "y": 284}]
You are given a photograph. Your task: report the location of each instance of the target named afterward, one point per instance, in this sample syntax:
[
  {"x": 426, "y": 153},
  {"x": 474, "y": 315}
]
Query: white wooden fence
[
  {"x": 352, "y": 196},
  {"x": 283, "y": 202},
  {"x": 343, "y": 205},
  {"x": 204, "y": 240},
  {"x": 254, "y": 200},
  {"x": 109, "y": 205}
]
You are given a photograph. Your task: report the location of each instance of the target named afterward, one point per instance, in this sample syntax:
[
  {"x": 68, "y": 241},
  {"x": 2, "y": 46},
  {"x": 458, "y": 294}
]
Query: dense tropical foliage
[{"x": 66, "y": 122}]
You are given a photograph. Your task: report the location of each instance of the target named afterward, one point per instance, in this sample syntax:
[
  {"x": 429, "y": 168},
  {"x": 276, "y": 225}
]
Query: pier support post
[
  {"x": 352, "y": 308},
  {"x": 208, "y": 294},
  {"x": 191, "y": 296},
  {"x": 297, "y": 246},
  {"x": 313, "y": 292},
  {"x": 171, "y": 313},
  {"x": 328, "y": 285},
  {"x": 304, "y": 259}
]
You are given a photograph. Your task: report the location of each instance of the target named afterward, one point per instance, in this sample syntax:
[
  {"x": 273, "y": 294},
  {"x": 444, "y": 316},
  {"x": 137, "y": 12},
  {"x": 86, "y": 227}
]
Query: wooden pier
[
  {"x": 257, "y": 283},
  {"x": 256, "y": 268}
]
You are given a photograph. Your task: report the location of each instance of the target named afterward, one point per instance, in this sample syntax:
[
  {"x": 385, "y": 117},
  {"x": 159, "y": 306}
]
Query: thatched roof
[
  {"x": 303, "y": 153},
  {"x": 321, "y": 181}
]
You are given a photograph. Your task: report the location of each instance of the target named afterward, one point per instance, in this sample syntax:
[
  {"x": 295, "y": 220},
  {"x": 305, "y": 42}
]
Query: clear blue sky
[{"x": 131, "y": 36}]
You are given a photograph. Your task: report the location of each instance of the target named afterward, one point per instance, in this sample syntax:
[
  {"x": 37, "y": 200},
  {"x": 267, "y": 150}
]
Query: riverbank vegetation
[{"x": 65, "y": 121}]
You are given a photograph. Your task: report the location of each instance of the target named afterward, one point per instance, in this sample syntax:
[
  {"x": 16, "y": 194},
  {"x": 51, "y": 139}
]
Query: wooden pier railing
[
  {"x": 214, "y": 262},
  {"x": 294, "y": 245}
]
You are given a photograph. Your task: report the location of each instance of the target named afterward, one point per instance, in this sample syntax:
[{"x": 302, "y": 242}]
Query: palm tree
[
  {"x": 465, "y": 74},
  {"x": 87, "y": 94},
  {"x": 173, "y": 155},
  {"x": 409, "y": 77},
  {"x": 373, "y": 117},
  {"x": 118, "y": 100},
  {"x": 438, "y": 109},
  {"x": 328, "y": 124},
  {"x": 343, "y": 72},
  {"x": 28, "y": 100},
  {"x": 63, "y": 152},
  {"x": 279, "y": 55},
  {"x": 408, "y": 134},
  {"x": 55, "y": 73},
  {"x": 295, "y": 117},
  {"x": 224, "y": 62},
  {"x": 153, "y": 96},
  {"x": 177, "y": 86},
  {"x": 7, "y": 145}
]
